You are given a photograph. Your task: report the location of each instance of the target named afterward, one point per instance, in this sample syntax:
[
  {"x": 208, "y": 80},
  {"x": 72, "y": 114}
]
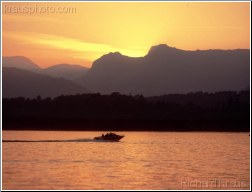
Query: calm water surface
[{"x": 141, "y": 160}]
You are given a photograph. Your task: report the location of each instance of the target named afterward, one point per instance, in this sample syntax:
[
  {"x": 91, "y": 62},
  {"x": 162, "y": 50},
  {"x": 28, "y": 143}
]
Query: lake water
[{"x": 141, "y": 160}]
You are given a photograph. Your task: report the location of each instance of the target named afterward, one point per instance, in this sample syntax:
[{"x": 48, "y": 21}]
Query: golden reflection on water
[{"x": 142, "y": 160}]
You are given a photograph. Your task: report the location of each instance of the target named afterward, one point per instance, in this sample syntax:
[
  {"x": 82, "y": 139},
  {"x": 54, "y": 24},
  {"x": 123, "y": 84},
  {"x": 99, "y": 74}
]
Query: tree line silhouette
[{"x": 200, "y": 111}]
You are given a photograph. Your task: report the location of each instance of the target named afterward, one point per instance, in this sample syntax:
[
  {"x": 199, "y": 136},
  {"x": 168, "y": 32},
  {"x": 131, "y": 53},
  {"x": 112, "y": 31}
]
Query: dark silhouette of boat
[{"x": 109, "y": 137}]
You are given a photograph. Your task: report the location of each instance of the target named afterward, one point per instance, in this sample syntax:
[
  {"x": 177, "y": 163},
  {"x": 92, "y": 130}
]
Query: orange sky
[{"x": 131, "y": 28}]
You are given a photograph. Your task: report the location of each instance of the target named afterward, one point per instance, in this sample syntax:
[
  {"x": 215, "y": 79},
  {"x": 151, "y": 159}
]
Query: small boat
[{"x": 109, "y": 137}]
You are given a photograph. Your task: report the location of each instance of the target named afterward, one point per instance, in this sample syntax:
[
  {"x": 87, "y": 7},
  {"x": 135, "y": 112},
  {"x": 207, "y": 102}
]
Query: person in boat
[{"x": 110, "y": 134}]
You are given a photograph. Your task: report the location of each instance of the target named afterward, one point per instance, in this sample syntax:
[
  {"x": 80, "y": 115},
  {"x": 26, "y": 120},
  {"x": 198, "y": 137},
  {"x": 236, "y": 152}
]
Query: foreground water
[{"x": 142, "y": 160}]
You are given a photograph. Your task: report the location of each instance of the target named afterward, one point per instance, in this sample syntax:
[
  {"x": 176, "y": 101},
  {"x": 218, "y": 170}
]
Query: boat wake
[{"x": 68, "y": 140}]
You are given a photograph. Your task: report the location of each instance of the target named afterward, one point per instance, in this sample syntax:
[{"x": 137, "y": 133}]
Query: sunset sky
[{"x": 94, "y": 29}]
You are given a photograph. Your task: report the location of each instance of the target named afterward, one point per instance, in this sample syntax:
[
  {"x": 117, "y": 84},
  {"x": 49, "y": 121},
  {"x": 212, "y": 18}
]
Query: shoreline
[
  {"x": 131, "y": 125},
  {"x": 126, "y": 131}
]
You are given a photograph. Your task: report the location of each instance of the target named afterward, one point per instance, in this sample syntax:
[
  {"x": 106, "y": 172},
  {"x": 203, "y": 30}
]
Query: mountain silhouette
[
  {"x": 20, "y": 62},
  {"x": 67, "y": 71},
  {"x": 23, "y": 83},
  {"x": 166, "y": 70}
]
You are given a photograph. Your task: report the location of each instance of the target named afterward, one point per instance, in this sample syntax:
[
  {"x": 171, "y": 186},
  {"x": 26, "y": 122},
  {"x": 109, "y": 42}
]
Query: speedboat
[{"x": 109, "y": 137}]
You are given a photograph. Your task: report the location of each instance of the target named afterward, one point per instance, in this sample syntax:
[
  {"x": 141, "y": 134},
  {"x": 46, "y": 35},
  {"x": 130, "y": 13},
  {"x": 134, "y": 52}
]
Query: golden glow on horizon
[
  {"x": 128, "y": 27},
  {"x": 79, "y": 46}
]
